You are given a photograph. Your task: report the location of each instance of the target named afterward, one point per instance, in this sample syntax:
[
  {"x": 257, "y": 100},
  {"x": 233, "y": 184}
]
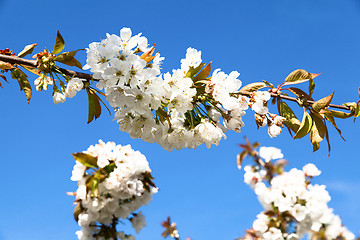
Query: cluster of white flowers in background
[
  {"x": 293, "y": 207},
  {"x": 118, "y": 185},
  {"x": 176, "y": 110}
]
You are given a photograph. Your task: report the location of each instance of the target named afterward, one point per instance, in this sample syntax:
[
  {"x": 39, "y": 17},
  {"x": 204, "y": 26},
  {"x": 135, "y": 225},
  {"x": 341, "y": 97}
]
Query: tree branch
[
  {"x": 310, "y": 102},
  {"x": 293, "y": 99},
  {"x": 33, "y": 63}
]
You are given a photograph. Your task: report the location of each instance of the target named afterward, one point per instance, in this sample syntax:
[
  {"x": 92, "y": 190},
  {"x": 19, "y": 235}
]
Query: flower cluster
[
  {"x": 48, "y": 72},
  {"x": 258, "y": 103},
  {"x": 182, "y": 109},
  {"x": 42, "y": 82},
  {"x": 73, "y": 86},
  {"x": 113, "y": 182},
  {"x": 178, "y": 109},
  {"x": 293, "y": 207},
  {"x": 68, "y": 90}
]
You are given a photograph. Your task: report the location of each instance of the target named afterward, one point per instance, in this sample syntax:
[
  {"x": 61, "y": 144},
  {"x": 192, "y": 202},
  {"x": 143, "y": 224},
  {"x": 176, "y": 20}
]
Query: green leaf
[
  {"x": 91, "y": 113},
  {"x": 103, "y": 102},
  {"x": 109, "y": 168},
  {"x": 322, "y": 103},
  {"x": 297, "y": 76},
  {"x": 357, "y": 111},
  {"x": 24, "y": 84},
  {"x": 305, "y": 126},
  {"x": 91, "y": 184},
  {"x": 312, "y": 83},
  {"x": 77, "y": 210},
  {"x": 299, "y": 93},
  {"x": 328, "y": 141},
  {"x": 240, "y": 158},
  {"x": 329, "y": 116},
  {"x": 295, "y": 82},
  {"x": 32, "y": 70},
  {"x": 102, "y": 173},
  {"x": 193, "y": 71},
  {"x": 6, "y": 66},
  {"x": 315, "y": 138},
  {"x": 94, "y": 105},
  {"x": 339, "y": 114},
  {"x": 291, "y": 120},
  {"x": 161, "y": 114},
  {"x": 3, "y": 77},
  {"x": 252, "y": 87},
  {"x": 59, "y": 44},
  {"x": 27, "y": 50},
  {"x": 318, "y": 129},
  {"x": 86, "y": 159},
  {"x": 311, "y": 87},
  {"x": 316, "y": 146},
  {"x": 204, "y": 73},
  {"x": 95, "y": 187},
  {"x": 69, "y": 59},
  {"x": 268, "y": 84}
]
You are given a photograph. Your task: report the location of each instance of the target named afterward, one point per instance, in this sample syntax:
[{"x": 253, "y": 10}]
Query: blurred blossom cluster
[
  {"x": 293, "y": 206},
  {"x": 113, "y": 182}
]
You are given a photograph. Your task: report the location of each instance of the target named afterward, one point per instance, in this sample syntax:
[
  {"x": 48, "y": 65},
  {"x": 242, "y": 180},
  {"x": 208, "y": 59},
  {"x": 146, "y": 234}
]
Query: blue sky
[{"x": 201, "y": 189}]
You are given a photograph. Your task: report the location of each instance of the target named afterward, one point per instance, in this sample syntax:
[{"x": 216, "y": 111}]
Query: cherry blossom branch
[
  {"x": 33, "y": 63},
  {"x": 310, "y": 102}
]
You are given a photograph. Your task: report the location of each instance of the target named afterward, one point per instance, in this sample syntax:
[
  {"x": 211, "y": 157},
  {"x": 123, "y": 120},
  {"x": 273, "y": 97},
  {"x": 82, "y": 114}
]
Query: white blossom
[
  {"x": 58, "y": 97},
  {"x": 260, "y": 99},
  {"x": 261, "y": 223},
  {"x": 273, "y": 234},
  {"x": 270, "y": 153},
  {"x": 138, "y": 221},
  {"x": 73, "y": 86},
  {"x": 175, "y": 109},
  {"x": 78, "y": 172},
  {"x": 274, "y": 130},
  {"x": 42, "y": 82},
  {"x": 290, "y": 193},
  {"x": 311, "y": 170},
  {"x": 192, "y": 59},
  {"x": 119, "y": 194}
]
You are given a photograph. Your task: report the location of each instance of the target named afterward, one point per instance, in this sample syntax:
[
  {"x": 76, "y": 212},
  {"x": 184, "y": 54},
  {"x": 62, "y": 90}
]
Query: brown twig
[
  {"x": 293, "y": 99},
  {"x": 311, "y": 102},
  {"x": 33, "y": 63}
]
